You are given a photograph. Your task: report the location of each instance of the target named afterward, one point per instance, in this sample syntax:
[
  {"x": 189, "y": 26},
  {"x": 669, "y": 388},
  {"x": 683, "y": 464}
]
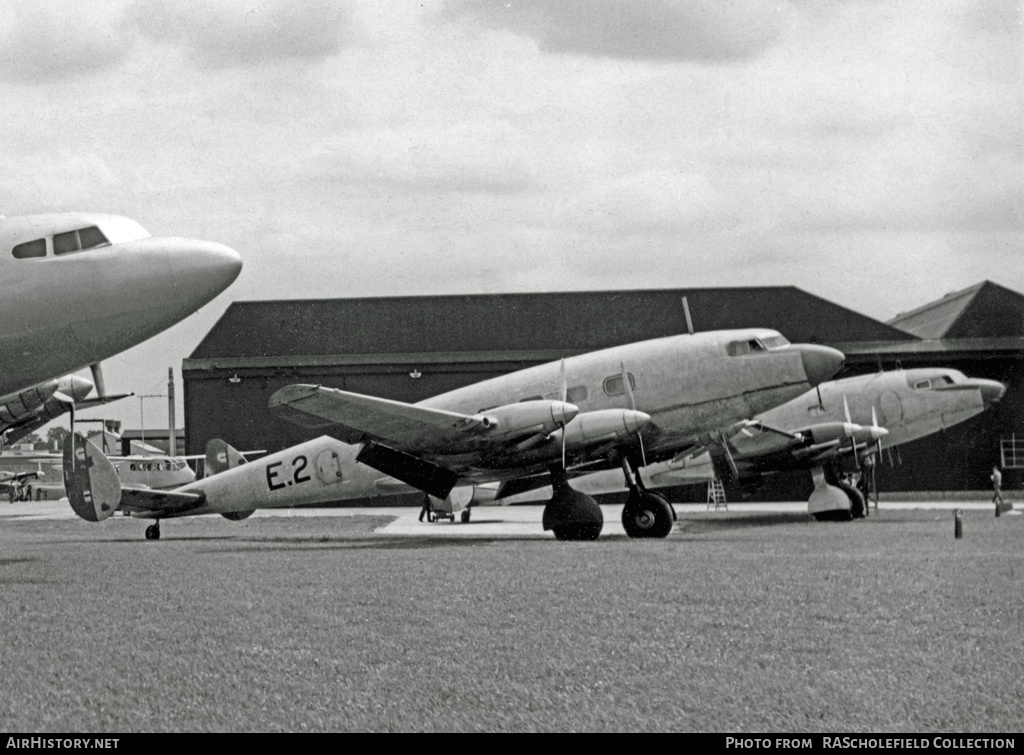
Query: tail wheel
[{"x": 153, "y": 532}]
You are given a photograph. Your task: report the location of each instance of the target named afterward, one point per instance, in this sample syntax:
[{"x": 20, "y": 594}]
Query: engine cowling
[
  {"x": 602, "y": 426},
  {"x": 527, "y": 418},
  {"x": 27, "y": 403}
]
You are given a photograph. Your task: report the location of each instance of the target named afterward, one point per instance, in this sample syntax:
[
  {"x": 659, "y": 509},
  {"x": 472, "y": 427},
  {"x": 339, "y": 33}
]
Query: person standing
[{"x": 997, "y": 487}]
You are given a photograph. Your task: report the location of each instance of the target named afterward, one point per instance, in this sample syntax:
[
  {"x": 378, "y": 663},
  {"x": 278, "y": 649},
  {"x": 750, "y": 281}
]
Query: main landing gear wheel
[
  {"x": 465, "y": 516},
  {"x": 572, "y": 515},
  {"x": 858, "y": 507},
  {"x": 153, "y": 531},
  {"x": 646, "y": 515}
]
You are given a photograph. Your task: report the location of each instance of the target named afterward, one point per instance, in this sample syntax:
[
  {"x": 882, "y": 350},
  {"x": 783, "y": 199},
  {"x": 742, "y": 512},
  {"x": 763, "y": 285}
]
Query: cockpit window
[
  {"x": 775, "y": 342},
  {"x": 65, "y": 242},
  {"x": 935, "y": 382},
  {"x": 92, "y": 237},
  {"x": 30, "y": 249},
  {"x": 739, "y": 348},
  {"x": 73, "y": 241}
]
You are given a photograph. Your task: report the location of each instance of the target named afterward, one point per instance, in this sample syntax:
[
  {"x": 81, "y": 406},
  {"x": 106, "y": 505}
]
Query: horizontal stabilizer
[
  {"x": 422, "y": 475},
  {"x": 159, "y": 503}
]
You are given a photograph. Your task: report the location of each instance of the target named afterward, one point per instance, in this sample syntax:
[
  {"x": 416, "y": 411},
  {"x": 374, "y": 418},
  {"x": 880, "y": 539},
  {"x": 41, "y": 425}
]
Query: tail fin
[
  {"x": 90, "y": 480},
  {"x": 221, "y": 457}
]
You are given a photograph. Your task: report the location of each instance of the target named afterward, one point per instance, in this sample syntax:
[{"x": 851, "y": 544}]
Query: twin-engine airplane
[
  {"x": 77, "y": 288},
  {"x": 624, "y": 406},
  {"x": 840, "y": 427}
]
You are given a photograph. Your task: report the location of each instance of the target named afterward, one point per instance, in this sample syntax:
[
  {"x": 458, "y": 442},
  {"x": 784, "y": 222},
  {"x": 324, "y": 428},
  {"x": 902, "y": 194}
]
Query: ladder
[{"x": 716, "y": 495}]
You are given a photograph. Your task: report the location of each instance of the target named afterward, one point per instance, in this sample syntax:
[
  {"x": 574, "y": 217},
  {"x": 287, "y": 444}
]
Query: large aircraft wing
[{"x": 354, "y": 418}]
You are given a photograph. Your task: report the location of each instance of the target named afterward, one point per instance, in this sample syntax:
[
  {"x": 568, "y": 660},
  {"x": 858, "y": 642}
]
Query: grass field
[{"x": 734, "y": 623}]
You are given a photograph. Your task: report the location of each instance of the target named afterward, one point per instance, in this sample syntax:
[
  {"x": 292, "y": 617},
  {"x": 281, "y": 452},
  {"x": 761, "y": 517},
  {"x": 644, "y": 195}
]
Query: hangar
[{"x": 409, "y": 348}]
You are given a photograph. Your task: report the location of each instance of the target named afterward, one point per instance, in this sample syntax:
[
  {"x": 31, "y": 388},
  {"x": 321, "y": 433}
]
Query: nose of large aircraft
[
  {"x": 991, "y": 391},
  {"x": 820, "y": 362},
  {"x": 209, "y": 267}
]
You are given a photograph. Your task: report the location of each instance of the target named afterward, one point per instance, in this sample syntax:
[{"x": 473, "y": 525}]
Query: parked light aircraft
[
  {"x": 618, "y": 407},
  {"x": 78, "y": 288},
  {"x": 841, "y": 426}
]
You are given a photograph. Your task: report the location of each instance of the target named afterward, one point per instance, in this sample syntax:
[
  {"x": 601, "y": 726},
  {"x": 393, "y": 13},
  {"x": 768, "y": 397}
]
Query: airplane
[
  {"x": 17, "y": 483},
  {"x": 25, "y": 412},
  {"x": 840, "y": 427},
  {"x": 80, "y": 287},
  {"x": 624, "y": 406}
]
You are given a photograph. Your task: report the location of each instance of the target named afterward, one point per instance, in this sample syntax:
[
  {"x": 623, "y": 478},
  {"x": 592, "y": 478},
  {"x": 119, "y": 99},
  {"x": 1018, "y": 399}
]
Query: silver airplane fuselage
[{"x": 78, "y": 288}]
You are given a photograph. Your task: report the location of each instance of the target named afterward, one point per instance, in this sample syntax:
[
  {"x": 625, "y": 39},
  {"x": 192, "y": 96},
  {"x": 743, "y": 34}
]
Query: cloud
[
  {"x": 39, "y": 44},
  {"x": 245, "y": 32},
  {"x": 707, "y": 31},
  {"x": 471, "y": 156}
]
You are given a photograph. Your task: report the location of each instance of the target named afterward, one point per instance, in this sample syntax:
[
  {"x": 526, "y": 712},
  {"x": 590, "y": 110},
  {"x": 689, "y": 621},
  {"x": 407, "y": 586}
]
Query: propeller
[
  {"x": 853, "y": 437},
  {"x": 632, "y": 405},
  {"x": 563, "y": 393}
]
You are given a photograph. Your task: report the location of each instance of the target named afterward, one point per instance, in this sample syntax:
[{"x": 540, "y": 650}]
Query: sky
[{"x": 867, "y": 151}]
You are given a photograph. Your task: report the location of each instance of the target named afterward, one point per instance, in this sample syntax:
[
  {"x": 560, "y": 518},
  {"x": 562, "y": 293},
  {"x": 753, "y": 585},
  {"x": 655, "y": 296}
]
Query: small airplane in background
[
  {"x": 77, "y": 288},
  {"x": 16, "y": 484},
  {"x": 840, "y": 427},
  {"x": 621, "y": 407}
]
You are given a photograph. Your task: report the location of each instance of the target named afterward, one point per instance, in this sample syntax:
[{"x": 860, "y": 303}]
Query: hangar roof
[
  {"x": 527, "y": 322},
  {"x": 985, "y": 310}
]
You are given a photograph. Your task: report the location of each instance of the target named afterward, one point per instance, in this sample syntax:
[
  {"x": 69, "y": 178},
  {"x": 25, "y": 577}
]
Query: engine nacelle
[
  {"x": 237, "y": 516},
  {"x": 527, "y": 418},
  {"x": 827, "y": 432},
  {"x": 602, "y": 426},
  {"x": 27, "y": 403}
]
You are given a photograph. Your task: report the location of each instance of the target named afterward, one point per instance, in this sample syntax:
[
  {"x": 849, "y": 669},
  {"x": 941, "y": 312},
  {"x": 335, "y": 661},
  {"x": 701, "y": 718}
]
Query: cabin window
[
  {"x": 613, "y": 385},
  {"x": 30, "y": 249},
  {"x": 922, "y": 385},
  {"x": 576, "y": 394}
]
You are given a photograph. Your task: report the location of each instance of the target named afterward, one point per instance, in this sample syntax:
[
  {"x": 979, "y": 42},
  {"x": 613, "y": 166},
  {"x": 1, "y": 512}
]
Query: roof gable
[{"x": 986, "y": 310}]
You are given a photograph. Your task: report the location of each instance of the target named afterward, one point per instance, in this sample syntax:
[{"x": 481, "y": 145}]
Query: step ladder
[{"x": 716, "y": 495}]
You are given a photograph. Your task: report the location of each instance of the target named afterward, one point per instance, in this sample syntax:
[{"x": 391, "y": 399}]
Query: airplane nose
[
  {"x": 991, "y": 391},
  {"x": 208, "y": 267},
  {"x": 820, "y": 362}
]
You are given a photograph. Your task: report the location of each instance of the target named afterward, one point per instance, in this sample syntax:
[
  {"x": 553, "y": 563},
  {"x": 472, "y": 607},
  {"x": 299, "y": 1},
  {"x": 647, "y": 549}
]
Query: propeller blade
[
  {"x": 632, "y": 405},
  {"x": 821, "y": 406},
  {"x": 563, "y": 392},
  {"x": 846, "y": 409}
]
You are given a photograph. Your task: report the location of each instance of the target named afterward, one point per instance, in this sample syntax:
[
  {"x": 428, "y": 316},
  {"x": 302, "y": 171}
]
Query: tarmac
[{"x": 491, "y": 521}]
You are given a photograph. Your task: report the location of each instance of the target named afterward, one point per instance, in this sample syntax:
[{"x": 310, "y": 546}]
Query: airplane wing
[{"x": 354, "y": 418}]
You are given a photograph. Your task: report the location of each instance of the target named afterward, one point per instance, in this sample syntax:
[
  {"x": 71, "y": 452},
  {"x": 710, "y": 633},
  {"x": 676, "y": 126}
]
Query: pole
[{"x": 172, "y": 441}]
